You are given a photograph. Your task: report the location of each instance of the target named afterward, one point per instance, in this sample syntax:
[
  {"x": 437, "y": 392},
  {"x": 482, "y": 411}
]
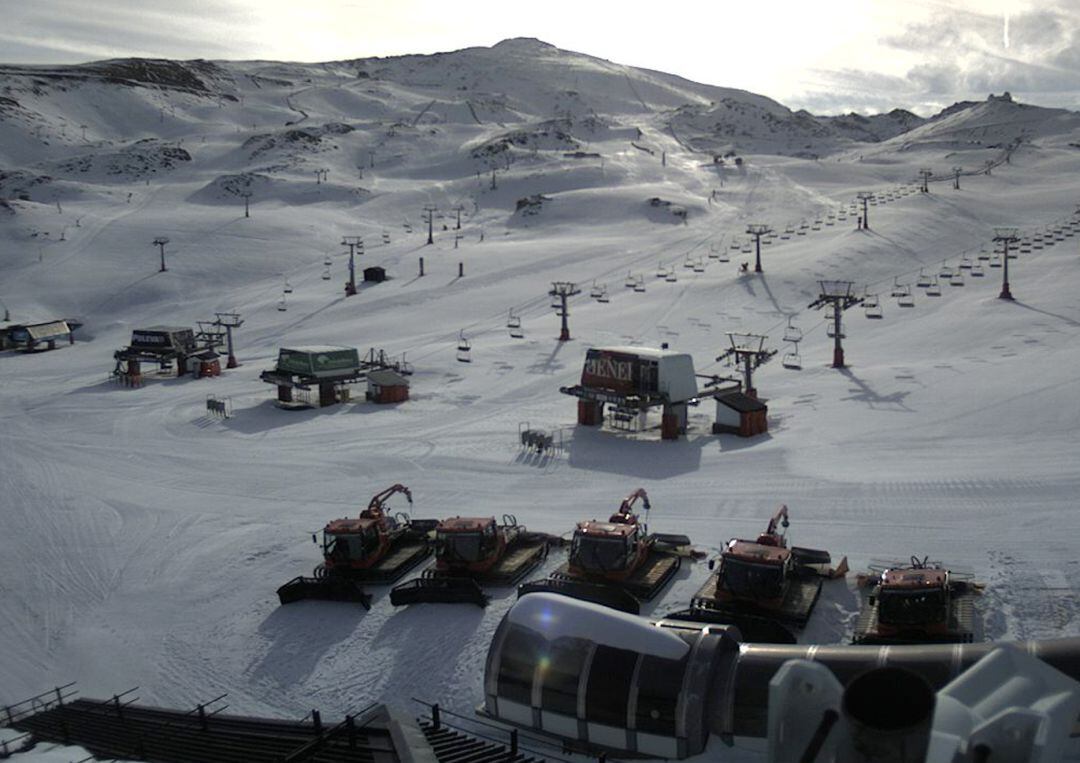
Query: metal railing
[
  {"x": 347, "y": 728},
  {"x": 515, "y": 740},
  {"x": 47, "y": 700}
]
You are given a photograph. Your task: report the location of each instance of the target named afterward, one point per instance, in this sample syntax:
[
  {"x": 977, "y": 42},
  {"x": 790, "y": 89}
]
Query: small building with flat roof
[{"x": 738, "y": 413}]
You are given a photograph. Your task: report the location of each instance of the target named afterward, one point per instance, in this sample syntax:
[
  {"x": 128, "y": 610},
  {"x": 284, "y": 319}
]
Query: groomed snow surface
[{"x": 143, "y": 541}]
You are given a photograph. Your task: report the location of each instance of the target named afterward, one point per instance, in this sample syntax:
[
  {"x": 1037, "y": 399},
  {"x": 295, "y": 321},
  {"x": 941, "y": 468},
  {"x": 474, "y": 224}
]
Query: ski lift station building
[
  {"x": 37, "y": 336},
  {"x": 162, "y": 345},
  {"x": 324, "y": 367},
  {"x": 634, "y": 379}
]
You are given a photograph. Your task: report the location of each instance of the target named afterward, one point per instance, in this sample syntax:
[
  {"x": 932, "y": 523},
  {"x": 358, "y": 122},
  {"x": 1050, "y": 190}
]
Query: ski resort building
[
  {"x": 738, "y": 413},
  {"x": 385, "y": 385},
  {"x": 38, "y": 336},
  {"x": 631, "y": 380},
  {"x": 163, "y": 345},
  {"x": 330, "y": 369},
  {"x": 375, "y": 274}
]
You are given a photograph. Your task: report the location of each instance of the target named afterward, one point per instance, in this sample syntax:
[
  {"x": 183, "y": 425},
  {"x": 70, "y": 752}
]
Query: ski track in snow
[{"x": 144, "y": 540}]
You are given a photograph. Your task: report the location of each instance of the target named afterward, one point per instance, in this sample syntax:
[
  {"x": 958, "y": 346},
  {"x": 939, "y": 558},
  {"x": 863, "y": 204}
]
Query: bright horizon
[{"x": 827, "y": 58}]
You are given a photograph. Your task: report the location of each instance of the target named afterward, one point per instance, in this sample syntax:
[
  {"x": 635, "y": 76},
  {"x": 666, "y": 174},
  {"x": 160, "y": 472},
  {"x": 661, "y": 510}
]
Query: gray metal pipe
[{"x": 738, "y": 705}]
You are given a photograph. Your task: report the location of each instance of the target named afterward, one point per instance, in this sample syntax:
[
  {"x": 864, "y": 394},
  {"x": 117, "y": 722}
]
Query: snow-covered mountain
[{"x": 143, "y": 541}]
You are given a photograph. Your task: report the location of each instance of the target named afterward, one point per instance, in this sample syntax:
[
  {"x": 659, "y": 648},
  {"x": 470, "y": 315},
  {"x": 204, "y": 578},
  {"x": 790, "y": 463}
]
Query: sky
[{"x": 828, "y": 56}]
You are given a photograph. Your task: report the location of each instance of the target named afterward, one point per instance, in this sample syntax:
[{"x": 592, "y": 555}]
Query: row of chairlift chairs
[
  {"x": 929, "y": 282},
  {"x": 793, "y": 335}
]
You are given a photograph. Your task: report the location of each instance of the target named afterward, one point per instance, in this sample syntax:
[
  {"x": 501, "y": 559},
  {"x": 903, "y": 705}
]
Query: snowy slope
[{"x": 144, "y": 541}]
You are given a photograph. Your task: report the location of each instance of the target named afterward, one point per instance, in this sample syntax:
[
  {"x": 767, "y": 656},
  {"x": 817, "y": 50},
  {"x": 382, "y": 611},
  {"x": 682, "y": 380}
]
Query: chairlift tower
[
  {"x": 925, "y": 174},
  {"x": 429, "y": 217},
  {"x": 458, "y": 209},
  {"x": 563, "y": 290},
  {"x": 956, "y": 177},
  {"x": 757, "y": 230},
  {"x": 160, "y": 242},
  {"x": 229, "y": 321},
  {"x": 354, "y": 243},
  {"x": 1006, "y": 235},
  {"x": 246, "y": 196},
  {"x": 838, "y": 295},
  {"x": 865, "y": 197},
  {"x": 748, "y": 351}
]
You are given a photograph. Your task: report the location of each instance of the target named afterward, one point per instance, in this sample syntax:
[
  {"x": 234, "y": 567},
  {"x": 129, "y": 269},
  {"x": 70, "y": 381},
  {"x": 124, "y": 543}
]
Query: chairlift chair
[
  {"x": 596, "y": 292},
  {"x": 899, "y": 289},
  {"x": 792, "y": 333},
  {"x": 722, "y": 256},
  {"x": 977, "y": 270},
  {"x": 792, "y": 360},
  {"x": 984, "y": 255},
  {"x": 288, "y": 287},
  {"x": 661, "y": 271},
  {"x": 830, "y": 330},
  {"x": 934, "y": 289},
  {"x": 281, "y": 306},
  {"x": 923, "y": 280},
  {"x": 631, "y": 280},
  {"x": 327, "y": 262},
  {"x": 699, "y": 266},
  {"x": 714, "y": 252},
  {"x": 688, "y": 263},
  {"x": 603, "y": 298},
  {"x": 639, "y": 285},
  {"x": 326, "y": 274},
  {"x": 965, "y": 263},
  {"x": 906, "y": 300},
  {"x": 995, "y": 261},
  {"x": 872, "y": 306},
  {"x": 957, "y": 278},
  {"x": 671, "y": 276},
  {"x": 513, "y": 323},
  {"x": 464, "y": 349}
]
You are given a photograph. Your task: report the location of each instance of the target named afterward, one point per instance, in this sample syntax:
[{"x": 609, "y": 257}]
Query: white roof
[
  {"x": 317, "y": 348},
  {"x": 386, "y": 377},
  {"x": 644, "y": 352}
]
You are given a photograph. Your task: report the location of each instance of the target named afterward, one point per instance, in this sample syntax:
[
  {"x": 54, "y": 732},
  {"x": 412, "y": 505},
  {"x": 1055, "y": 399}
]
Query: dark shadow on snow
[{"x": 300, "y": 634}]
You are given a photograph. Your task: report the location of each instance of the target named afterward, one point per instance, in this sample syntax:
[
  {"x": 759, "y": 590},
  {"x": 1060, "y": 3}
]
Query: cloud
[
  {"x": 71, "y": 31},
  {"x": 962, "y": 55}
]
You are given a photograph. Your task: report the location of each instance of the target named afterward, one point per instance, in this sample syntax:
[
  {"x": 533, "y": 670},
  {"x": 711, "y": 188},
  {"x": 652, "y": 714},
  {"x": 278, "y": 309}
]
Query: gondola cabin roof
[
  {"x": 748, "y": 551},
  {"x": 914, "y": 579}
]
